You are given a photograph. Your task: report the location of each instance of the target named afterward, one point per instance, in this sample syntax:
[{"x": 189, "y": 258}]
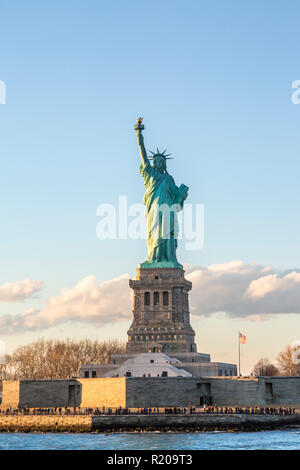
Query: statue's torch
[{"x": 139, "y": 126}]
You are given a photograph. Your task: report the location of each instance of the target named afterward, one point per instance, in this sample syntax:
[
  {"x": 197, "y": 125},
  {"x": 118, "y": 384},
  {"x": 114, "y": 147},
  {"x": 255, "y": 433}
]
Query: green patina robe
[{"x": 163, "y": 199}]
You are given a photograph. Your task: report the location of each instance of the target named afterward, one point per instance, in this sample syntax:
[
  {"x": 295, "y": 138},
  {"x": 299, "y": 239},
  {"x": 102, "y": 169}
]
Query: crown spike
[{"x": 159, "y": 154}]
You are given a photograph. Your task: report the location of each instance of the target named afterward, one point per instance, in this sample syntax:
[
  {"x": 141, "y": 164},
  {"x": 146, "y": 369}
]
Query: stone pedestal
[{"x": 161, "y": 318}]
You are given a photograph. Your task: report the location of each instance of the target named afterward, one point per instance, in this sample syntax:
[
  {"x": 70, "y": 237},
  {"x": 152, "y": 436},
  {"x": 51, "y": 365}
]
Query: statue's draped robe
[{"x": 162, "y": 224}]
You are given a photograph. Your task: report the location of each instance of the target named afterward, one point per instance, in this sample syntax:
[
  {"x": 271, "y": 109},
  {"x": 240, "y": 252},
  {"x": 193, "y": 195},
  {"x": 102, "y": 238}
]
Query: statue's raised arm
[
  {"x": 163, "y": 199},
  {"x": 138, "y": 128}
]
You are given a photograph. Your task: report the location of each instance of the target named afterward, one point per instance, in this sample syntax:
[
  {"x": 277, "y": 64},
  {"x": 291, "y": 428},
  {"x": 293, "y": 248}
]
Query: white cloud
[
  {"x": 244, "y": 290},
  {"x": 19, "y": 290},
  {"x": 88, "y": 301},
  {"x": 272, "y": 283}
]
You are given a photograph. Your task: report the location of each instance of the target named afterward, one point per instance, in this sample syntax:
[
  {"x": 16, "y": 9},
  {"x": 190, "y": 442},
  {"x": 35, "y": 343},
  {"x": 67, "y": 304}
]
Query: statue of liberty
[{"x": 163, "y": 199}]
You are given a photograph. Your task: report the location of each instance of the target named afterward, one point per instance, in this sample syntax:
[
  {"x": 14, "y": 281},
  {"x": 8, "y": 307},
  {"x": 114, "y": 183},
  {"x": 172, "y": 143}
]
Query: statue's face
[{"x": 159, "y": 163}]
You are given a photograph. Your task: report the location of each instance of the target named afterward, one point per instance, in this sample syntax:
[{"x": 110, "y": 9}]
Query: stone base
[{"x": 161, "y": 319}]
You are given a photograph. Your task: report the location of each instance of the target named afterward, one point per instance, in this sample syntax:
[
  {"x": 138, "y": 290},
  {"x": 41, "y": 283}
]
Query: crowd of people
[
  {"x": 60, "y": 411},
  {"x": 250, "y": 411},
  {"x": 213, "y": 410}
]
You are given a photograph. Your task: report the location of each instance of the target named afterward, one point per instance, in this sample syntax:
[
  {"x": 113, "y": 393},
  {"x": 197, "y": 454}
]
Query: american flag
[{"x": 242, "y": 339}]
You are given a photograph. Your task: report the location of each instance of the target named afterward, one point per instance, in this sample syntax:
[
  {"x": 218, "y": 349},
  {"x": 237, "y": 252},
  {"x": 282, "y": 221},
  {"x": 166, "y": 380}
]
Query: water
[{"x": 276, "y": 440}]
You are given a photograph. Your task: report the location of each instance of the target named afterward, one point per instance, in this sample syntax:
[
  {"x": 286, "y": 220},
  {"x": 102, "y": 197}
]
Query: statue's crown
[{"x": 159, "y": 154}]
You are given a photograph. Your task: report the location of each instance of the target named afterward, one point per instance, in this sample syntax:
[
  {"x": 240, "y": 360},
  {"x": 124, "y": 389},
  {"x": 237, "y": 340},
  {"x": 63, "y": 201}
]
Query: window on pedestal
[
  {"x": 166, "y": 299},
  {"x": 156, "y": 298}
]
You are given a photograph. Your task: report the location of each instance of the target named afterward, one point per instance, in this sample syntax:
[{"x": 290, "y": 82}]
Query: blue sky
[{"x": 213, "y": 82}]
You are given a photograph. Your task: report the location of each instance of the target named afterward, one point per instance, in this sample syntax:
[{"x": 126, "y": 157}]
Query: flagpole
[{"x": 239, "y": 354}]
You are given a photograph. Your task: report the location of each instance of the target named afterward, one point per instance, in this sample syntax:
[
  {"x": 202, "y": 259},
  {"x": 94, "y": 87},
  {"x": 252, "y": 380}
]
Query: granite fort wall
[
  {"x": 177, "y": 391},
  {"x": 10, "y": 394},
  {"x": 134, "y": 392},
  {"x": 192, "y": 391},
  {"x": 85, "y": 393},
  {"x": 108, "y": 392},
  {"x": 279, "y": 390},
  {"x": 235, "y": 392},
  {"x": 49, "y": 393}
]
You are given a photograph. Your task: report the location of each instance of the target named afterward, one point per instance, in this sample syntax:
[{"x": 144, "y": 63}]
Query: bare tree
[
  {"x": 54, "y": 359},
  {"x": 6, "y": 371},
  {"x": 264, "y": 368},
  {"x": 286, "y": 361}
]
